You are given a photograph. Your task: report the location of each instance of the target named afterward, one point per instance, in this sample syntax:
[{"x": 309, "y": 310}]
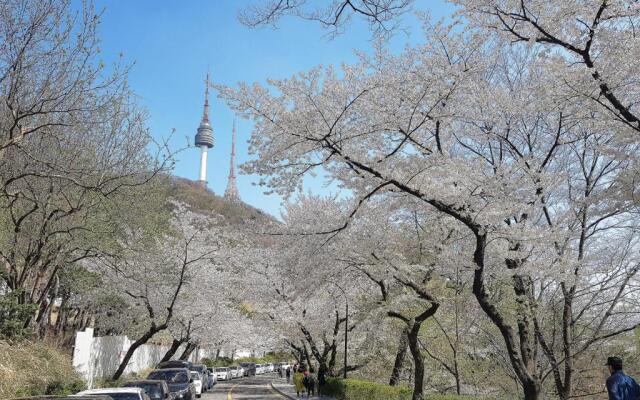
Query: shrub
[
  {"x": 31, "y": 369},
  {"x": 12, "y": 316},
  {"x": 352, "y": 389},
  {"x": 220, "y": 362},
  {"x": 108, "y": 382}
]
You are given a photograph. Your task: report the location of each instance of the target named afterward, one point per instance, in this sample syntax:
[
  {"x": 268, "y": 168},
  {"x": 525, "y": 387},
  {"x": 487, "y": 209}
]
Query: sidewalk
[{"x": 281, "y": 386}]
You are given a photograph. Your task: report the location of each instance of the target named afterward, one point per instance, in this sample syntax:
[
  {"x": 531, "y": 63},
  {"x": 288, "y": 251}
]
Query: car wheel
[{"x": 198, "y": 395}]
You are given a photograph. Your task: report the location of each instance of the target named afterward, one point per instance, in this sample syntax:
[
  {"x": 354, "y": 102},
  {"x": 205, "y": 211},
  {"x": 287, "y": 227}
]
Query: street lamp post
[
  {"x": 346, "y": 334},
  {"x": 346, "y": 328}
]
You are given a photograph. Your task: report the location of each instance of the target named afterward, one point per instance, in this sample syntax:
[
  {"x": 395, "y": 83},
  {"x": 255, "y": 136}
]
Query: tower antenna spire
[
  {"x": 205, "y": 114},
  {"x": 231, "y": 193}
]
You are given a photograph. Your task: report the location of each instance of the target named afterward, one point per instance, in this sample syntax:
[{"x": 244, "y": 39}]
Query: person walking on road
[
  {"x": 288, "y": 373},
  {"x": 306, "y": 381},
  {"x": 311, "y": 382},
  {"x": 298, "y": 377},
  {"x": 619, "y": 385}
]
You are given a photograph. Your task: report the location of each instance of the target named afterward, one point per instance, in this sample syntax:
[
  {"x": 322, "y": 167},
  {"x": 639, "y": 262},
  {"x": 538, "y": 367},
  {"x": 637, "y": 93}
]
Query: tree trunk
[
  {"x": 418, "y": 361},
  {"x": 521, "y": 352},
  {"x": 297, "y": 353},
  {"x": 175, "y": 345},
  {"x": 61, "y": 321},
  {"x": 306, "y": 355},
  {"x": 217, "y": 353},
  {"x": 42, "y": 320},
  {"x": 531, "y": 390},
  {"x": 456, "y": 374},
  {"x": 400, "y": 356},
  {"x": 187, "y": 351},
  {"x": 125, "y": 361}
]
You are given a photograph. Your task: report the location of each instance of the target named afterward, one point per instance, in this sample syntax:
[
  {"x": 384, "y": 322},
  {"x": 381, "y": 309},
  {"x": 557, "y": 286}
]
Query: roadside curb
[{"x": 281, "y": 392}]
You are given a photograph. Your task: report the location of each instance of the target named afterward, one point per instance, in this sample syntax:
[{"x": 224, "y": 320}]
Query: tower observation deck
[{"x": 204, "y": 136}]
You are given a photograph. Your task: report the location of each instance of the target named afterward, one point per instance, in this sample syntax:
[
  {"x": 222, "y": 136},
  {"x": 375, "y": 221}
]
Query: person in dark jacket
[
  {"x": 310, "y": 382},
  {"x": 619, "y": 385}
]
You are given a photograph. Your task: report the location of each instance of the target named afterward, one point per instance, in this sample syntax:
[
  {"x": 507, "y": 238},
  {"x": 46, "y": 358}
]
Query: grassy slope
[
  {"x": 35, "y": 368},
  {"x": 204, "y": 201}
]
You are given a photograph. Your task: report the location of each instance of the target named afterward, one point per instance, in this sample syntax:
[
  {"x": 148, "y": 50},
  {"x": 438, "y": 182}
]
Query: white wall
[{"x": 98, "y": 357}]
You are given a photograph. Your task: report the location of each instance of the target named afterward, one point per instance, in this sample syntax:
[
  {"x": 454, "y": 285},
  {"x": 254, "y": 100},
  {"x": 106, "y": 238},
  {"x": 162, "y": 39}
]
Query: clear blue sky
[{"x": 173, "y": 43}]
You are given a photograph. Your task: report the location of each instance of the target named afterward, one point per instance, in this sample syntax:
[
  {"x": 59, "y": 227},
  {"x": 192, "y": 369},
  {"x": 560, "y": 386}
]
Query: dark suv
[
  {"x": 249, "y": 368},
  {"x": 179, "y": 382}
]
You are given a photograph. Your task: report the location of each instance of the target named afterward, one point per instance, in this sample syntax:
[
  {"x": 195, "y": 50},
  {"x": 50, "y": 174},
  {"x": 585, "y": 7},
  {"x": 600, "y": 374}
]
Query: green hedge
[{"x": 352, "y": 389}]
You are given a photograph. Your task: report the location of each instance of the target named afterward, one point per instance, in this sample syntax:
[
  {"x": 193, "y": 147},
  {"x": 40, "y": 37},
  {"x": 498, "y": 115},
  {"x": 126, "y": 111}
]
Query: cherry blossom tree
[
  {"x": 156, "y": 278},
  {"x": 477, "y": 133},
  {"x": 590, "y": 44},
  {"x": 382, "y": 15}
]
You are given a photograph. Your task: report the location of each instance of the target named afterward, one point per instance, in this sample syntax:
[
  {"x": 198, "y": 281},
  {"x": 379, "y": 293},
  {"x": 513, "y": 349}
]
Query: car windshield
[
  {"x": 195, "y": 376},
  {"x": 122, "y": 396},
  {"x": 170, "y": 376},
  {"x": 222, "y": 369}
]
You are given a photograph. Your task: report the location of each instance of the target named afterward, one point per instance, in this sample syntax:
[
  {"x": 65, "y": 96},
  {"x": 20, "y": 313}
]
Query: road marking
[{"x": 229, "y": 397}]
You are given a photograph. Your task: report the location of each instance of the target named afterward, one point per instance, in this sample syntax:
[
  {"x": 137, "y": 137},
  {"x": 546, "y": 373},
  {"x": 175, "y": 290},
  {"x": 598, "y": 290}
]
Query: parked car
[
  {"x": 233, "y": 371},
  {"x": 222, "y": 373},
  {"x": 249, "y": 368},
  {"x": 128, "y": 393},
  {"x": 156, "y": 390},
  {"x": 270, "y": 367},
  {"x": 241, "y": 372},
  {"x": 259, "y": 369},
  {"x": 196, "y": 378},
  {"x": 175, "y": 364},
  {"x": 202, "y": 370},
  {"x": 179, "y": 381}
]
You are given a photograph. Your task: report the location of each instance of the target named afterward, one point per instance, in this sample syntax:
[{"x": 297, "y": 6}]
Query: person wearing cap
[{"x": 619, "y": 385}]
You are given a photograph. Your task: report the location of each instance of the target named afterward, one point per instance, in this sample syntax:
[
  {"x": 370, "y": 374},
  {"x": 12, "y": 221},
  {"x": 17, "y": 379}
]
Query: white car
[
  {"x": 270, "y": 367},
  {"x": 197, "y": 382},
  {"x": 121, "y": 393},
  {"x": 241, "y": 372},
  {"x": 259, "y": 369},
  {"x": 222, "y": 373},
  {"x": 233, "y": 372}
]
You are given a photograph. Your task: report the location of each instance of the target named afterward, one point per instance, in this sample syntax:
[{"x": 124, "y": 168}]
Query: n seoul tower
[{"x": 204, "y": 137}]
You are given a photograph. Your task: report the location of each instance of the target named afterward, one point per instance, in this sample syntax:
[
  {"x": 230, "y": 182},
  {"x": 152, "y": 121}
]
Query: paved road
[{"x": 250, "y": 388}]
